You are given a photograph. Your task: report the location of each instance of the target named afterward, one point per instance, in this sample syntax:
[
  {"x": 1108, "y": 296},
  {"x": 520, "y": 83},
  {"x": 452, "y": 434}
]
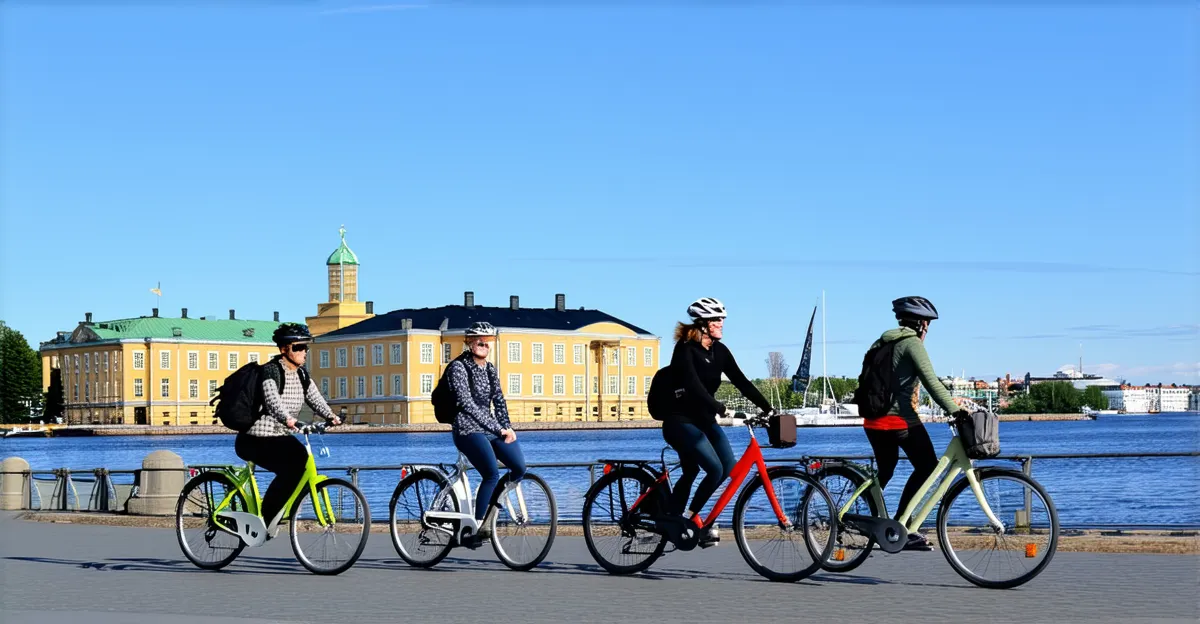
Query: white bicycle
[{"x": 433, "y": 510}]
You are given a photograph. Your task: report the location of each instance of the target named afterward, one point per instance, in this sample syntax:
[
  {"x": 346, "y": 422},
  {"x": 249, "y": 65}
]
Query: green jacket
[{"x": 912, "y": 367}]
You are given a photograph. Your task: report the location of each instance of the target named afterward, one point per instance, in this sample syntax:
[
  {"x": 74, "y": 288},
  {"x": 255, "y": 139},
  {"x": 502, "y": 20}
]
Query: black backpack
[
  {"x": 445, "y": 401},
  {"x": 239, "y": 400},
  {"x": 876, "y": 392},
  {"x": 663, "y": 398}
]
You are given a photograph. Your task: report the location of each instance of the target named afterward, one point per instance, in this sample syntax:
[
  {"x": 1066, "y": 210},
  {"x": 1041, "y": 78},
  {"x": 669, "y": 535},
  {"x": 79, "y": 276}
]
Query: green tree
[
  {"x": 1056, "y": 397},
  {"x": 1021, "y": 404},
  {"x": 1094, "y": 398},
  {"x": 20, "y": 377}
]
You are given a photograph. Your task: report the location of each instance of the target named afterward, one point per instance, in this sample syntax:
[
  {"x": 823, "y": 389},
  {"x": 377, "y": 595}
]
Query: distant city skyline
[{"x": 1030, "y": 169}]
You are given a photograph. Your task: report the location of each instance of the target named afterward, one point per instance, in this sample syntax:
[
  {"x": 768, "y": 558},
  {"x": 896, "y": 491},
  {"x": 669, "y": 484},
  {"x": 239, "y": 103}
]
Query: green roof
[
  {"x": 160, "y": 328},
  {"x": 342, "y": 255}
]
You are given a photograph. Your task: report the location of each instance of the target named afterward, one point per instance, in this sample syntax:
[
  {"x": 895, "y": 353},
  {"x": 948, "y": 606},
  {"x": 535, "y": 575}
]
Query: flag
[
  {"x": 802, "y": 378},
  {"x": 156, "y": 291}
]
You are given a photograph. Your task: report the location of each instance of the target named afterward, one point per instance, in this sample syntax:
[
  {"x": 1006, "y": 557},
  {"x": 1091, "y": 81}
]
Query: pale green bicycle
[
  {"x": 219, "y": 514},
  {"x": 1001, "y": 535}
]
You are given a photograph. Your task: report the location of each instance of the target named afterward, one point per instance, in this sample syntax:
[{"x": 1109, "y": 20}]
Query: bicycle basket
[{"x": 980, "y": 434}]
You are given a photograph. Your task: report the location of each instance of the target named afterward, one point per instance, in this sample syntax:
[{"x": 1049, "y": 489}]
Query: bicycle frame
[
  {"x": 751, "y": 458},
  {"x": 460, "y": 488},
  {"x": 245, "y": 484},
  {"x": 952, "y": 462}
]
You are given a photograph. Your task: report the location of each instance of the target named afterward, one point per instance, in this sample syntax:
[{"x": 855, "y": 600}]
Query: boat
[{"x": 31, "y": 432}]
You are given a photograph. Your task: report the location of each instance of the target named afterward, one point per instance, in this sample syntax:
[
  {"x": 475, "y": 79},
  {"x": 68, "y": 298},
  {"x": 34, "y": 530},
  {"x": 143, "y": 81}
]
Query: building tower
[{"x": 343, "y": 308}]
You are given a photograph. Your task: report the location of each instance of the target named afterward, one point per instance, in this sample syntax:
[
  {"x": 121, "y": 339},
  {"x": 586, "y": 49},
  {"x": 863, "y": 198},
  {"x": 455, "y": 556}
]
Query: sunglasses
[
  {"x": 299, "y": 348},
  {"x": 482, "y": 344}
]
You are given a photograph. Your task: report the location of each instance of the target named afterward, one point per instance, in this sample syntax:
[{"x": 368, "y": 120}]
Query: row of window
[
  {"x": 341, "y": 354},
  {"x": 139, "y": 389},
  {"x": 98, "y": 362},
  {"x": 342, "y": 389}
]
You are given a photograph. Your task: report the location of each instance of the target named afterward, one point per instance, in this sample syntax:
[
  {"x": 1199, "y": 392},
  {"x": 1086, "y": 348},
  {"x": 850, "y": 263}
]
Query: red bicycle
[{"x": 778, "y": 522}]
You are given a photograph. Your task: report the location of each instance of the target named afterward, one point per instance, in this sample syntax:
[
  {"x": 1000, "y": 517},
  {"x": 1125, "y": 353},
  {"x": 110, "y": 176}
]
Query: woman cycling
[
  {"x": 901, "y": 428},
  {"x": 479, "y": 434},
  {"x": 691, "y": 428}
]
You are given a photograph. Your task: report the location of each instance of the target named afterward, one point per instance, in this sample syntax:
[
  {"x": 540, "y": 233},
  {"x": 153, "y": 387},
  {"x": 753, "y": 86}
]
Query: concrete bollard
[
  {"x": 159, "y": 486},
  {"x": 14, "y": 485}
]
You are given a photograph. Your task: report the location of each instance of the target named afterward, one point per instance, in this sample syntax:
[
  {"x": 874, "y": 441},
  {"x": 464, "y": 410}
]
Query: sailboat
[{"x": 829, "y": 411}]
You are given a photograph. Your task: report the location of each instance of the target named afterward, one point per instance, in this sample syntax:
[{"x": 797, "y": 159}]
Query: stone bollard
[
  {"x": 14, "y": 488},
  {"x": 162, "y": 478}
]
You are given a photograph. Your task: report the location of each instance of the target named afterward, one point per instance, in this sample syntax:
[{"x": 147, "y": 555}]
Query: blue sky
[{"x": 1031, "y": 170}]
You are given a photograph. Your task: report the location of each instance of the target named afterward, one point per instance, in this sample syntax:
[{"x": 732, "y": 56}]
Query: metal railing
[{"x": 94, "y": 490}]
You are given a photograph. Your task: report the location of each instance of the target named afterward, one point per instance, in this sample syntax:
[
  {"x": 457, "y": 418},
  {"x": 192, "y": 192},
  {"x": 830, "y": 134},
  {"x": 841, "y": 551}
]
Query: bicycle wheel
[
  {"x": 203, "y": 542},
  {"x": 330, "y": 532},
  {"x": 785, "y": 553},
  {"x": 852, "y": 548},
  {"x": 523, "y": 520},
  {"x": 624, "y": 542},
  {"x": 998, "y": 559},
  {"x": 418, "y": 493}
]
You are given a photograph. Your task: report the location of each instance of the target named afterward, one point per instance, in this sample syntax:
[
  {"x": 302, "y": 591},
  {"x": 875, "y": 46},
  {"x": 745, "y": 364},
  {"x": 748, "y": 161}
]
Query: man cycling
[
  {"x": 478, "y": 434},
  {"x": 269, "y": 443},
  {"x": 901, "y": 427}
]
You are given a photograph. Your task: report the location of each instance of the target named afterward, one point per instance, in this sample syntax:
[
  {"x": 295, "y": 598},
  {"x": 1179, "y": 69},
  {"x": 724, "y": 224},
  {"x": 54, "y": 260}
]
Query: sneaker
[
  {"x": 916, "y": 541},
  {"x": 711, "y": 538}
]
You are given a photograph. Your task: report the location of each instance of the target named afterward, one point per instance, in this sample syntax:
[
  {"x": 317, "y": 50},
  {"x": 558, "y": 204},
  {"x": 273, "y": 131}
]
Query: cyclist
[
  {"x": 269, "y": 443},
  {"x": 691, "y": 429},
  {"x": 901, "y": 428},
  {"x": 479, "y": 434}
]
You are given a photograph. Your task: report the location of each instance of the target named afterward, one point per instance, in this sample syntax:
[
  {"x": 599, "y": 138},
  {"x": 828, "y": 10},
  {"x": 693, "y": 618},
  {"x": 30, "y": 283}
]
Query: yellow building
[
  {"x": 151, "y": 370},
  {"x": 555, "y": 364}
]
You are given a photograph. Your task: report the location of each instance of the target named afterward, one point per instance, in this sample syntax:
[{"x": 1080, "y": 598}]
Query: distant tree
[
  {"x": 1095, "y": 398},
  {"x": 776, "y": 365},
  {"x": 1056, "y": 397},
  {"x": 1020, "y": 404},
  {"x": 54, "y": 395},
  {"x": 20, "y": 377}
]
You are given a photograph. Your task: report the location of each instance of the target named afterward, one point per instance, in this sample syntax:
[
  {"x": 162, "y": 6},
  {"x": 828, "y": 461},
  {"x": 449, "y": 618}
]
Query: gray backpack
[{"x": 980, "y": 434}]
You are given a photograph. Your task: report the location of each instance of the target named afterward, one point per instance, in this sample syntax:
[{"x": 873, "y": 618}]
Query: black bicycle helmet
[
  {"x": 914, "y": 308},
  {"x": 481, "y": 328},
  {"x": 289, "y": 333}
]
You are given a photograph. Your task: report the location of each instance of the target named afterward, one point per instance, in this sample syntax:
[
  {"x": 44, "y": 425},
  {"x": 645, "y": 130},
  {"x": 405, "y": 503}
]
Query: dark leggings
[
  {"x": 283, "y": 455},
  {"x": 699, "y": 446},
  {"x": 917, "y": 447},
  {"x": 482, "y": 450}
]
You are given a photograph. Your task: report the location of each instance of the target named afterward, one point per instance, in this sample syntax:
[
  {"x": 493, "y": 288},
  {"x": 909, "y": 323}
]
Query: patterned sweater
[
  {"x": 281, "y": 407},
  {"x": 475, "y": 408}
]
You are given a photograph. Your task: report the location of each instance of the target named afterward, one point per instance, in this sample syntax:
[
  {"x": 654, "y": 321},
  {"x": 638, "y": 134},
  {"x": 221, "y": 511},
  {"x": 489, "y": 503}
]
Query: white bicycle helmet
[
  {"x": 707, "y": 308},
  {"x": 481, "y": 328}
]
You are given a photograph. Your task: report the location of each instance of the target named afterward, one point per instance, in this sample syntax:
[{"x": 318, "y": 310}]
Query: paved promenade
[{"x": 108, "y": 575}]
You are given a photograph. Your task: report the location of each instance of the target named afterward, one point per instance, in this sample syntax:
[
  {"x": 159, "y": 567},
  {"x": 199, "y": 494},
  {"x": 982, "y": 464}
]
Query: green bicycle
[
  {"x": 1005, "y": 539},
  {"x": 218, "y": 515}
]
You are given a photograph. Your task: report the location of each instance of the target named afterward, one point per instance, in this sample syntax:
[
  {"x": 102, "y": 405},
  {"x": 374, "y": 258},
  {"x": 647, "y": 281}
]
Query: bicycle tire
[
  {"x": 863, "y": 553},
  {"x": 947, "y": 504},
  {"x": 813, "y": 487},
  {"x": 440, "y": 489},
  {"x": 493, "y": 521},
  {"x": 211, "y": 531},
  {"x": 360, "y": 503},
  {"x": 660, "y": 501}
]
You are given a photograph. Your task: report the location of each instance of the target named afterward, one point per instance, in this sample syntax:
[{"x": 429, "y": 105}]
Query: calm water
[{"x": 1096, "y": 491}]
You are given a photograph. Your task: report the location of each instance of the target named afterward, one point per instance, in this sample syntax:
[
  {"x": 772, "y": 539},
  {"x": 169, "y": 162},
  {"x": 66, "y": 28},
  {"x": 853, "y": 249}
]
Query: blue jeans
[
  {"x": 699, "y": 446},
  {"x": 482, "y": 450}
]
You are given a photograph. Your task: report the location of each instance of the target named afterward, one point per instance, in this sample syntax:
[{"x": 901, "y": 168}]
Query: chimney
[
  {"x": 560, "y": 302},
  {"x": 469, "y": 299},
  {"x": 370, "y": 307},
  {"x": 154, "y": 312},
  {"x": 231, "y": 316},
  {"x": 184, "y": 315},
  {"x": 276, "y": 316},
  {"x": 514, "y": 302},
  {"x": 87, "y": 318}
]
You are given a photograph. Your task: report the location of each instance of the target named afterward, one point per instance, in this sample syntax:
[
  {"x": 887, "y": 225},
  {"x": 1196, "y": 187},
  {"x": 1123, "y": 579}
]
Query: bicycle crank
[{"x": 889, "y": 534}]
